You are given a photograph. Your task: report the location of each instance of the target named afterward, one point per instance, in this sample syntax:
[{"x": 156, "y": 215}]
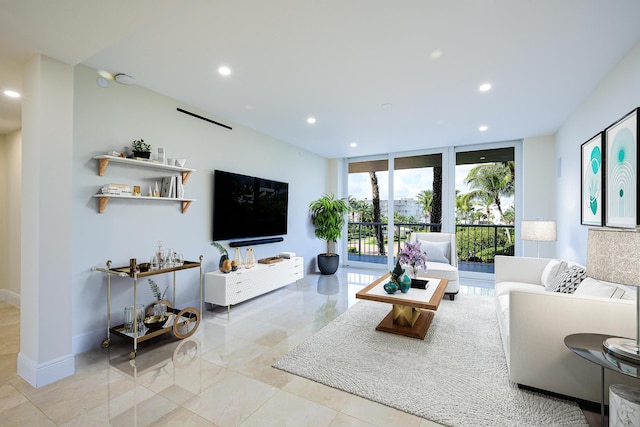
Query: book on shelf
[
  {"x": 168, "y": 186},
  {"x": 179, "y": 187}
]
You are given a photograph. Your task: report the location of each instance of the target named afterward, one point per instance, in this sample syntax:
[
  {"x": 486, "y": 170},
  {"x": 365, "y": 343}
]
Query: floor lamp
[
  {"x": 614, "y": 256},
  {"x": 538, "y": 231}
]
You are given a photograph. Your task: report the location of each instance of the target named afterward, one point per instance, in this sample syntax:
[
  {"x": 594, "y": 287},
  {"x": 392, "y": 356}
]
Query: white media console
[{"x": 227, "y": 289}]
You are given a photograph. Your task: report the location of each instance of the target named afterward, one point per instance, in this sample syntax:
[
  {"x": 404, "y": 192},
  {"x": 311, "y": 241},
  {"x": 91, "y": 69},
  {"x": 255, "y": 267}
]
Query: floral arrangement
[
  {"x": 155, "y": 290},
  {"x": 412, "y": 255}
]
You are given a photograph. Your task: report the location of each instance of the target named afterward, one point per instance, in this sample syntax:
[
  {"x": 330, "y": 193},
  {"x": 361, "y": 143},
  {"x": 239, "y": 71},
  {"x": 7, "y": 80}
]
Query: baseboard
[
  {"x": 10, "y": 297},
  {"x": 40, "y": 375},
  {"x": 88, "y": 341}
]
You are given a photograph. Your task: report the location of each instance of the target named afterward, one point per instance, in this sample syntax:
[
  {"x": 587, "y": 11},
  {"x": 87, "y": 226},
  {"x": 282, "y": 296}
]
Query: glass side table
[{"x": 589, "y": 346}]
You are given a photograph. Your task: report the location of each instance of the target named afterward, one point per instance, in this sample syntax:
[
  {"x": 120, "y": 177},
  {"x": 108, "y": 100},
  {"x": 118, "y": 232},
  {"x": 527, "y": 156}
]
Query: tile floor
[{"x": 220, "y": 376}]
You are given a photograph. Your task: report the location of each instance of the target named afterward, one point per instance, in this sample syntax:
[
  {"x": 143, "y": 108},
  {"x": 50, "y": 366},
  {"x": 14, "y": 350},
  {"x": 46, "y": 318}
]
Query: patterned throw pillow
[{"x": 567, "y": 281}]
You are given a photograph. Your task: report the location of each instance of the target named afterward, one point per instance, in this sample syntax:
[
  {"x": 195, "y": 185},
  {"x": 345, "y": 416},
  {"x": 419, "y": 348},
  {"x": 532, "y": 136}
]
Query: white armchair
[{"x": 442, "y": 258}]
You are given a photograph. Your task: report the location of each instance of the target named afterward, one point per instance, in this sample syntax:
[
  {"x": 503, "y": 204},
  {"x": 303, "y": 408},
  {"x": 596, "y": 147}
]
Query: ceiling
[{"x": 365, "y": 69}]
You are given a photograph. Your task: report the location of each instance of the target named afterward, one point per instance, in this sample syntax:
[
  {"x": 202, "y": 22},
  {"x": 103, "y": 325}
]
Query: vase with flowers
[{"x": 412, "y": 256}]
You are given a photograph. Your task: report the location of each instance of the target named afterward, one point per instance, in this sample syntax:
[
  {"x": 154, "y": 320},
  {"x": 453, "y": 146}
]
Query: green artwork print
[
  {"x": 595, "y": 161},
  {"x": 622, "y": 172},
  {"x": 591, "y": 206}
]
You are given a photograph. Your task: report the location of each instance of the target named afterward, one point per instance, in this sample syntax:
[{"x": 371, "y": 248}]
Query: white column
[{"x": 45, "y": 291}]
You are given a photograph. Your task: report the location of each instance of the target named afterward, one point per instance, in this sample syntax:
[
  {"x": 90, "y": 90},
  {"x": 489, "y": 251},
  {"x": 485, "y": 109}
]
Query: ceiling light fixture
[
  {"x": 436, "y": 54},
  {"x": 485, "y": 87},
  {"x": 483, "y": 128},
  {"x": 125, "y": 79},
  {"x": 224, "y": 70},
  {"x": 353, "y": 145},
  {"x": 386, "y": 105},
  {"x": 311, "y": 120},
  {"x": 12, "y": 93}
]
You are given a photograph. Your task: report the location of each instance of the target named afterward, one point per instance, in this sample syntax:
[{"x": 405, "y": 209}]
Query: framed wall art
[
  {"x": 621, "y": 155},
  {"x": 592, "y": 181}
]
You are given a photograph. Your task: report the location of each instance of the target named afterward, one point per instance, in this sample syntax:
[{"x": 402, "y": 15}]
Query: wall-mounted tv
[{"x": 248, "y": 206}]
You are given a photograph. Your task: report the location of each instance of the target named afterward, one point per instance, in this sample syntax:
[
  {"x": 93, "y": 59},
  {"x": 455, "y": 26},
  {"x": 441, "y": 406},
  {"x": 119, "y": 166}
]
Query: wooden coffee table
[{"x": 412, "y": 312}]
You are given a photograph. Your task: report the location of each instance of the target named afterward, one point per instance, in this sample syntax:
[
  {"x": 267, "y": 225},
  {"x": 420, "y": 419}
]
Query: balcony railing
[{"x": 477, "y": 244}]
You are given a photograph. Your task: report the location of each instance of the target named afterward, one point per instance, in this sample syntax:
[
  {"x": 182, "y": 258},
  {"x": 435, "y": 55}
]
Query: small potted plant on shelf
[
  {"x": 328, "y": 217},
  {"x": 141, "y": 149}
]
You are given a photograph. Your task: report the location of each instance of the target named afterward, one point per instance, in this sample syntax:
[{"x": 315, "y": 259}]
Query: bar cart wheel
[
  {"x": 106, "y": 343},
  {"x": 132, "y": 355},
  {"x": 186, "y": 323}
]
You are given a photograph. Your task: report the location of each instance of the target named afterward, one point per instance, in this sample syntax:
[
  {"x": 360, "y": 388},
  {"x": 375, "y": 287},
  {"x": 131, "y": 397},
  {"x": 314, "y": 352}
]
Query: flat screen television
[{"x": 247, "y": 206}]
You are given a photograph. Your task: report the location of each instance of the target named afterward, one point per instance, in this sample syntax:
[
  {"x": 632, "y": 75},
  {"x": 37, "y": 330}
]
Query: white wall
[
  {"x": 616, "y": 95},
  {"x": 538, "y": 188},
  {"x": 10, "y": 191},
  {"x": 109, "y": 119},
  {"x": 4, "y": 213}
]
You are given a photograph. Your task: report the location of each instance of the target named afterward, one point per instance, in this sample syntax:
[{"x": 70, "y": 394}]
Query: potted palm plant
[{"x": 328, "y": 216}]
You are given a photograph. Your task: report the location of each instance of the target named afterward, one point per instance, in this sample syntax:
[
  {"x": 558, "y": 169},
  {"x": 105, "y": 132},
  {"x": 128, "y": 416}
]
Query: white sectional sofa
[{"x": 534, "y": 321}]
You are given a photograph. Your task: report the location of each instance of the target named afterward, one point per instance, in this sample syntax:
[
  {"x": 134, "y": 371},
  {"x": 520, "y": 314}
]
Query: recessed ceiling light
[
  {"x": 485, "y": 87},
  {"x": 436, "y": 54},
  {"x": 483, "y": 128},
  {"x": 12, "y": 93},
  {"x": 224, "y": 70},
  {"x": 353, "y": 145},
  {"x": 311, "y": 120},
  {"x": 386, "y": 105}
]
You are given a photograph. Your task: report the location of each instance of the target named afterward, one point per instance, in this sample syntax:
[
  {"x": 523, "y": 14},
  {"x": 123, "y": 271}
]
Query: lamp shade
[
  {"x": 614, "y": 255},
  {"x": 541, "y": 231}
]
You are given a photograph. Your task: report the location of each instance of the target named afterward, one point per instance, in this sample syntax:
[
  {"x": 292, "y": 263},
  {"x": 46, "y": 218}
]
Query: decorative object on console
[
  {"x": 223, "y": 252},
  {"x": 538, "y": 231},
  {"x": 237, "y": 259},
  {"x": 327, "y": 216},
  {"x": 141, "y": 149},
  {"x": 612, "y": 256},
  {"x": 592, "y": 181},
  {"x": 414, "y": 257},
  {"x": 250, "y": 258},
  {"x": 621, "y": 148}
]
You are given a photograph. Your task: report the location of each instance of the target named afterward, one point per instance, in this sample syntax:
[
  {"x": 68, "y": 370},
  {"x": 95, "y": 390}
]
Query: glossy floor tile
[{"x": 220, "y": 376}]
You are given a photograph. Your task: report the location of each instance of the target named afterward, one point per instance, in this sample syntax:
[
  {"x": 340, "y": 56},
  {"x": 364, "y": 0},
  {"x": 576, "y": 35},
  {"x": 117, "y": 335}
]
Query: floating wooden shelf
[
  {"x": 103, "y": 199},
  {"x": 103, "y": 162}
]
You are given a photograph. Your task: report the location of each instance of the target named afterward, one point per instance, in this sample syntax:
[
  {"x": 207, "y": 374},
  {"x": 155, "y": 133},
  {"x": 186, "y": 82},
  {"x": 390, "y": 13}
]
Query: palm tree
[
  {"x": 490, "y": 182},
  {"x": 425, "y": 197},
  {"x": 376, "y": 212},
  {"x": 464, "y": 205},
  {"x": 436, "y": 205}
]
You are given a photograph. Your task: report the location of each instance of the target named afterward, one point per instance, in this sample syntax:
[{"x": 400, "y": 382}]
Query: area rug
[{"x": 457, "y": 376}]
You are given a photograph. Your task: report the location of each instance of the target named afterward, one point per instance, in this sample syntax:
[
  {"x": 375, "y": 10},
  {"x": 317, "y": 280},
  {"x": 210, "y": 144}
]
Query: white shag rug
[{"x": 457, "y": 376}]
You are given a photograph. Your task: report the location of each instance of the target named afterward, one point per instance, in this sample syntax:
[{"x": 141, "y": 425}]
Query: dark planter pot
[
  {"x": 328, "y": 263},
  {"x": 142, "y": 154}
]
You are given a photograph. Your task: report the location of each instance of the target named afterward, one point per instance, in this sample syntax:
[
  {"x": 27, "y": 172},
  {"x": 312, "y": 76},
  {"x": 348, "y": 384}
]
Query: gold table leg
[{"x": 404, "y": 315}]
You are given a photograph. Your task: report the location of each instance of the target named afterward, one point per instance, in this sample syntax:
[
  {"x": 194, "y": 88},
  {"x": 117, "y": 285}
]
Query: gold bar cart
[{"x": 182, "y": 322}]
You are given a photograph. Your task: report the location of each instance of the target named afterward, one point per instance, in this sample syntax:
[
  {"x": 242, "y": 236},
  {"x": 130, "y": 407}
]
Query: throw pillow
[
  {"x": 596, "y": 288},
  {"x": 436, "y": 251},
  {"x": 567, "y": 282},
  {"x": 550, "y": 272}
]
